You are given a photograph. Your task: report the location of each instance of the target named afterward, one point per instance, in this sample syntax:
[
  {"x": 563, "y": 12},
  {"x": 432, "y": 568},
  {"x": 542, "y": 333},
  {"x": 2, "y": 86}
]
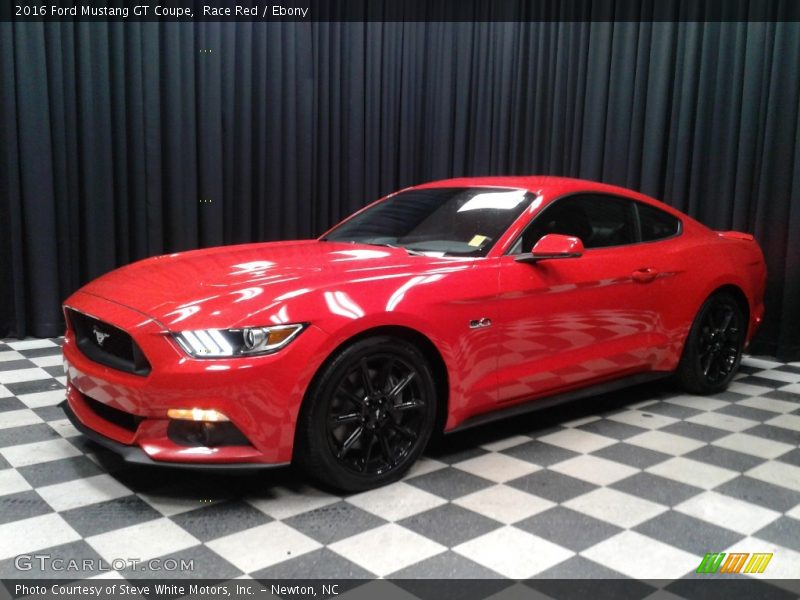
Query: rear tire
[
  {"x": 714, "y": 346},
  {"x": 368, "y": 415}
]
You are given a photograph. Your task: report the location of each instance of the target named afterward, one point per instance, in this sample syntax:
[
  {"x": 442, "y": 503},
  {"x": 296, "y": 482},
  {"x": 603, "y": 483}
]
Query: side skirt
[{"x": 549, "y": 401}]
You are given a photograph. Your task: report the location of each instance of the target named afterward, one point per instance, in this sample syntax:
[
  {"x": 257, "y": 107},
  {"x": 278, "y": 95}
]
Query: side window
[
  {"x": 656, "y": 224},
  {"x": 597, "y": 219}
]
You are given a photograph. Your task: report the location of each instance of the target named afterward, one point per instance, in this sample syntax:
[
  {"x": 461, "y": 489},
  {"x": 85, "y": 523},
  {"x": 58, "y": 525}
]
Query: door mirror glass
[{"x": 551, "y": 246}]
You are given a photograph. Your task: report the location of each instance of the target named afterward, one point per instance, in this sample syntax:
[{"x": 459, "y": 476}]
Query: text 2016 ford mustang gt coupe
[{"x": 437, "y": 307}]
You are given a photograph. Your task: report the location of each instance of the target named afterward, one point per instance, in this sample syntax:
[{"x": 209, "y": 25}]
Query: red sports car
[{"x": 435, "y": 308}]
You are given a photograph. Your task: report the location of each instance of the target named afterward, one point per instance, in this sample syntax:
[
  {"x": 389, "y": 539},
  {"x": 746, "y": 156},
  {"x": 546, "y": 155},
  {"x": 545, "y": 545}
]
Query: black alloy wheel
[
  {"x": 369, "y": 415},
  {"x": 714, "y": 346}
]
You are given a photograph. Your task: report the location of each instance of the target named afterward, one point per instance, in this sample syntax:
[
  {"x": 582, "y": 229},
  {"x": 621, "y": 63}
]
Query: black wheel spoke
[
  {"x": 727, "y": 321},
  {"x": 411, "y": 405},
  {"x": 384, "y": 378},
  {"x": 350, "y": 396},
  {"x": 707, "y": 363},
  {"x": 404, "y": 431},
  {"x": 348, "y": 444},
  {"x": 345, "y": 418},
  {"x": 402, "y": 384},
  {"x": 366, "y": 377},
  {"x": 386, "y": 449},
  {"x": 368, "y": 452}
]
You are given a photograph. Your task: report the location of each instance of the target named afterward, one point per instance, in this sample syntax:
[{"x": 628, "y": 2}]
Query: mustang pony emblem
[{"x": 100, "y": 336}]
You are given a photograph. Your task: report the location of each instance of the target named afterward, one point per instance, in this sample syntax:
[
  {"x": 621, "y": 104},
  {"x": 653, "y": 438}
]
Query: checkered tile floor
[{"x": 640, "y": 483}]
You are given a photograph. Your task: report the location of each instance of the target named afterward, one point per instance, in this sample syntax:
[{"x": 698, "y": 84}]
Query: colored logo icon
[{"x": 734, "y": 562}]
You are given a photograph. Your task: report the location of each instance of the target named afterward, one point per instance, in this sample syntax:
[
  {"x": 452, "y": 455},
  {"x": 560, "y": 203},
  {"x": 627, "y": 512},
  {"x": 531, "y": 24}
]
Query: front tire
[
  {"x": 368, "y": 415},
  {"x": 714, "y": 346}
]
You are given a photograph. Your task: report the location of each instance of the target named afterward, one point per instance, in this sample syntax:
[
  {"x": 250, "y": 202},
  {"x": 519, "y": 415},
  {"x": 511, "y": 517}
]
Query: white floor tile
[
  {"x": 753, "y": 445},
  {"x": 784, "y": 564},
  {"x": 594, "y": 469},
  {"x": 581, "y": 421},
  {"x": 48, "y": 361},
  {"x": 283, "y": 503},
  {"x": 727, "y": 512},
  {"x": 692, "y": 472},
  {"x": 760, "y": 363},
  {"x": 642, "y": 557},
  {"x": 748, "y": 389},
  {"x": 9, "y": 355},
  {"x": 667, "y": 443},
  {"x": 387, "y": 549},
  {"x": 505, "y": 443},
  {"x": 111, "y": 575},
  {"x": 20, "y": 375},
  {"x": 64, "y": 428},
  {"x": 615, "y": 507},
  {"x": 424, "y": 465},
  {"x": 82, "y": 492},
  {"x": 764, "y": 403},
  {"x": 497, "y": 467},
  {"x": 792, "y": 388},
  {"x": 12, "y": 482},
  {"x": 513, "y": 553},
  {"x": 578, "y": 440},
  {"x": 36, "y": 533},
  {"x": 143, "y": 541},
  {"x": 32, "y": 344},
  {"x": 505, "y": 504},
  {"x": 787, "y": 422},
  {"x": 778, "y": 375},
  {"x": 41, "y": 399},
  {"x": 779, "y": 473},
  {"x": 697, "y": 402},
  {"x": 263, "y": 546},
  {"x": 4, "y": 393},
  {"x": 170, "y": 500},
  {"x": 18, "y": 418},
  {"x": 396, "y": 501},
  {"x": 38, "y": 452},
  {"x": 642, "y": 418},
  {"x": 722, "y": 421},
  {"x": 643, "y": 404}
]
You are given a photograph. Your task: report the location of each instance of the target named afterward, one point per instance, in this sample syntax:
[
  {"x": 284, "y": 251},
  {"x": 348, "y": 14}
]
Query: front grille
[
  {"x": 107, "y": 345},
  {"x": 120, "y": 418}
]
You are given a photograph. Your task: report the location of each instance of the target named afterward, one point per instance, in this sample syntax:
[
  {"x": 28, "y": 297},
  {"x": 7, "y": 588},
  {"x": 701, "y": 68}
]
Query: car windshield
[{"x": 437, "y": 221}]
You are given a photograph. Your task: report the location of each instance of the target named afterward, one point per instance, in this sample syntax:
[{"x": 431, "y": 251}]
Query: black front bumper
[{"x": 136, "y": 456}]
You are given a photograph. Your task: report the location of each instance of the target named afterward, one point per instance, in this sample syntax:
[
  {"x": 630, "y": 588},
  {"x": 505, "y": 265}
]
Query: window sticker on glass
[{"x": 478, "y": 240}]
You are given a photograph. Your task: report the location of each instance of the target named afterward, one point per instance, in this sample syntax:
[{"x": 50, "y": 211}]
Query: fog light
[{"x": 196, "y": 414}]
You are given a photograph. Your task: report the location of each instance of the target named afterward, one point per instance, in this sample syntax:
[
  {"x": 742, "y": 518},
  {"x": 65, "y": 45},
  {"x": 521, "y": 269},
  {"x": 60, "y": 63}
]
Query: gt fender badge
[{"x": 478, "y": 323}]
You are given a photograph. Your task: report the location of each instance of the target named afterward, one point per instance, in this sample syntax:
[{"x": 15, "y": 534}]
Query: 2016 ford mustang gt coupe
[{"x": 436, "y": 308}]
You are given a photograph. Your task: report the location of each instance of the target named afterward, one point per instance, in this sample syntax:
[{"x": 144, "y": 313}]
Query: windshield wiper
[{"x": 387, "y": 245}]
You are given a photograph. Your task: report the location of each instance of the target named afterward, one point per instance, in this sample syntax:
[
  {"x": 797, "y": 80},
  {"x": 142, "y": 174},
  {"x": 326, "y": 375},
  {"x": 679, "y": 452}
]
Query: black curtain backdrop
[{"x": 121, "y": 141}]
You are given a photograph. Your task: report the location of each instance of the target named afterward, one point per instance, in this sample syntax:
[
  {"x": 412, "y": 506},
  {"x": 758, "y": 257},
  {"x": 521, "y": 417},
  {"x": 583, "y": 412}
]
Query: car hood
[{"x": 225, "y": 286}]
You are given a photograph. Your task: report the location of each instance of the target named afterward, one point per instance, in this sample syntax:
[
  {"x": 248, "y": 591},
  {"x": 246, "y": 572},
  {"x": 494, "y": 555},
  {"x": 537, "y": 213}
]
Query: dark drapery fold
[{"x": 120, "y": 141}]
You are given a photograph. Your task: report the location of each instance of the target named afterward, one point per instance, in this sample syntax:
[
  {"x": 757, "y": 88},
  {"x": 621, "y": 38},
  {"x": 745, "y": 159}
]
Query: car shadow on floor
[{"x": 169, "y": 483}]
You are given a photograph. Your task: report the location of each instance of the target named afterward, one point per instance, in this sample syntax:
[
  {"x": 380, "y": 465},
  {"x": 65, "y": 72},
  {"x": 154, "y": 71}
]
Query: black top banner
[{"x": 399, "y": 10}]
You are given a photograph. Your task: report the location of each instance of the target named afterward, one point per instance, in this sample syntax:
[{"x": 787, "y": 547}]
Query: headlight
[{"x": 249, "y": 341}]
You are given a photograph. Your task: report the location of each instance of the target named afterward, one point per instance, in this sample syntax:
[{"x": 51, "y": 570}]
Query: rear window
[{"x": 656, "y": 224}]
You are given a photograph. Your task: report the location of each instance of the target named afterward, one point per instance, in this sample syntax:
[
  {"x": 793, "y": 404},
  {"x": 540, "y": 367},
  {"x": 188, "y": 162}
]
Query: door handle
[{"x": 644, "y": 275}]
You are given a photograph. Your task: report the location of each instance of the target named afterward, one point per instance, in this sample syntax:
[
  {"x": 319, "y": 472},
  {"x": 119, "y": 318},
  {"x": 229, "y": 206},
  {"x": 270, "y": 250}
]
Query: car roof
[{"x": 547, "y": 185}]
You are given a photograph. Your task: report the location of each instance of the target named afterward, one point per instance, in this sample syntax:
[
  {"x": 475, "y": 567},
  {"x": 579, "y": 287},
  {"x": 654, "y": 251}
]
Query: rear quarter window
[{"x": 656, "y": 224}]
